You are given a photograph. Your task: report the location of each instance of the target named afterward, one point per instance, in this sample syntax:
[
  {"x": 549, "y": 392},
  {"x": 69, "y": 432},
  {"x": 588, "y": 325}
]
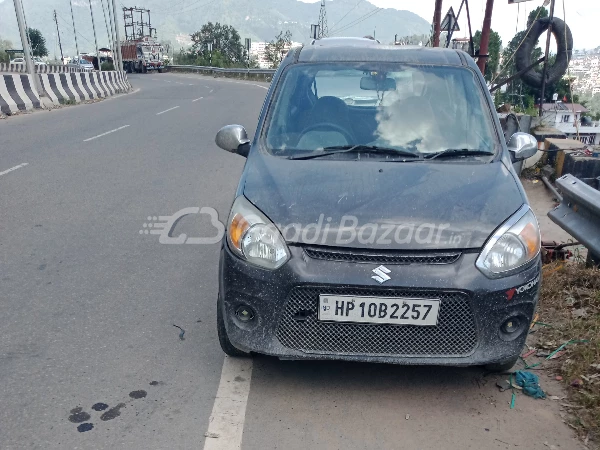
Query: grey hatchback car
[{"x": 379, "y": 217}]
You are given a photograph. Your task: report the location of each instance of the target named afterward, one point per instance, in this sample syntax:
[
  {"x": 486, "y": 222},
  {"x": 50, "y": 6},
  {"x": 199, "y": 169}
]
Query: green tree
[
  {"x": 276, "y": 50},
  {"x": 227, "y": 48},
  {"x": 38, "y": 42},
  {"x": 491, "y": 67},
  {"x": 5, "y": 45}
]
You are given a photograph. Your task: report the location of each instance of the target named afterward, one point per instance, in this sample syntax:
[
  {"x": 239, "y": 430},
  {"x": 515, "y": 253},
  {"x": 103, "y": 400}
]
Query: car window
[{"x": 422, "y": 109}]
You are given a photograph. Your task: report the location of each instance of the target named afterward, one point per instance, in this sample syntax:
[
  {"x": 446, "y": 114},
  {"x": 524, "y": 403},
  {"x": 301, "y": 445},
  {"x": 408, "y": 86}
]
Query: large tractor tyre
[{"x": 564, "y": 44}]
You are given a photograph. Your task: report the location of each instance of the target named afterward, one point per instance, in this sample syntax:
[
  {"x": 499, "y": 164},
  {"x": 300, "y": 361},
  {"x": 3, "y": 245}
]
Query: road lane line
[
  {"x": 170, "y": 109},
  {"x": 13, "y": 168},
  {"x": 197, "y": 99},
  {"x": 104, "y": 134},
  {"x": 226, "y": 423}
]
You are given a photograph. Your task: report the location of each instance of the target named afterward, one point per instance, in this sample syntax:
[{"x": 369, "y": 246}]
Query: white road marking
[
  {"x": 167, "y": 110},
  {"x": 13, "y": 168},
  {"x": 211, "y": 91},
  {"x": 104, "y": 134},
  {"x": 226, "y": 423},
  {"x": 197, "y": 99}
]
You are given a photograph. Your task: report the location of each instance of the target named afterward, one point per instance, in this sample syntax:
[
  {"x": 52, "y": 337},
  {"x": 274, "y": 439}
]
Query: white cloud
[{"x": 582, "y": 16}]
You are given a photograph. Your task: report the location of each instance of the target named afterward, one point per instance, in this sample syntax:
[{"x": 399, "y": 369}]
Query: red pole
[
  {"x": 437, "y": 23},
  {"x": 485, "y": 35}
]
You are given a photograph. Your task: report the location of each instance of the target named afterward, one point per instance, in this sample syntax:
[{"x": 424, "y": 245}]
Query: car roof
[{"x": 370, "y": 50}]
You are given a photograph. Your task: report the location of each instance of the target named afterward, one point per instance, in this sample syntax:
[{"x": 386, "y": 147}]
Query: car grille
[
  {"x": 454, "y": 336},
  {"x": 359, "y": 256}
]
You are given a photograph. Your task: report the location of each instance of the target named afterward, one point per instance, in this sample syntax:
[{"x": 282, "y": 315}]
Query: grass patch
[{"x": 570, "y": 302}]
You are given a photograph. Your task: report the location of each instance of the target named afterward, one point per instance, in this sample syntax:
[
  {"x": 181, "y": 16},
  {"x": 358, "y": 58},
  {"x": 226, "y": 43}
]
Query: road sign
[{"x": 449, "y": 22}]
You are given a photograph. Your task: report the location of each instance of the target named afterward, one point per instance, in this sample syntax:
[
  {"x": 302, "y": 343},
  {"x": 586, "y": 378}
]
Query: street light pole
[
  {"x": 74, "y": 32},
  {"x": 24, "y": 40},
  {"x": 95, "y": 38},
  {"x": 118, "y": 37}
]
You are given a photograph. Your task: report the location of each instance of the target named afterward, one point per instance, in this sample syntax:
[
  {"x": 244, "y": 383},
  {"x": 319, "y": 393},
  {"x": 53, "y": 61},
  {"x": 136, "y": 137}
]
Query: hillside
[{"x": 258, "y": 19}]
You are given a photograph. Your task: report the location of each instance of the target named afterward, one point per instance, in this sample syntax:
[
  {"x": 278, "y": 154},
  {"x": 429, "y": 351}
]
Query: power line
[
  {"x": 69, "y": 25},
  {"x": 346, "y": 15},
  {"x": 359, "y": 20}
]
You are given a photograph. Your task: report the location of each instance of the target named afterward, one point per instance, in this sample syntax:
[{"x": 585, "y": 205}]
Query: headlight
[
  {"x": 255, "y": 238},
  {"x": 516, "y": 243}
]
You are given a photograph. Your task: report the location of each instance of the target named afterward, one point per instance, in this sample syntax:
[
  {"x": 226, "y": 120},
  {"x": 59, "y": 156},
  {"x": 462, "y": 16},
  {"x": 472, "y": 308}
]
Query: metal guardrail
[
  {"x": 240, "y": 71},
  {"x": 579, "y": 213}
]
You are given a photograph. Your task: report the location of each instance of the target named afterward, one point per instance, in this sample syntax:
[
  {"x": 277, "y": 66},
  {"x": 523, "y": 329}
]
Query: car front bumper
[{"x": 285, "y": 303}]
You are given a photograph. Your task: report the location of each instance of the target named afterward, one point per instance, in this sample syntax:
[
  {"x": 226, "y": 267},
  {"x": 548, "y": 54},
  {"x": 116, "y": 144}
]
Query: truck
[{"x": 142, "y": 55}]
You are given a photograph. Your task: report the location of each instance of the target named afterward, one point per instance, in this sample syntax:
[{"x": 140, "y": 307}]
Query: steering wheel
[{"x": 331, "y": 126}]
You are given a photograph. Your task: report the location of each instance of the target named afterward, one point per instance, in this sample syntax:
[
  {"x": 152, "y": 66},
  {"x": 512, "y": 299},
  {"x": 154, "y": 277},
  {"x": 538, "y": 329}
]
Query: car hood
[{"x": 382, "y": 205}]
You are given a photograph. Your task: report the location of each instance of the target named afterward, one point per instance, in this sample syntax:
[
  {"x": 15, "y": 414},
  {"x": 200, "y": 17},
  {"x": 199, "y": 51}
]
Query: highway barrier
[
  {"x": 17, "y": 92},
  {"x": 579, "y": 214},
  {"x": 39, "y": 68},
  {"x": 245, "y": 74},
  {"x": 77, "y": 87}
]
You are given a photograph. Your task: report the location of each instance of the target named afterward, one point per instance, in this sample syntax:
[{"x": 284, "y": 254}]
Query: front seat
[{"x": 332, "y": 110}]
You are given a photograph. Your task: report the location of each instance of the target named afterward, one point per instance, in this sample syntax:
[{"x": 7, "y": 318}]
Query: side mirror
[
  {"x": 234, "y": 139},
  {"x": 522, "y": 146}
]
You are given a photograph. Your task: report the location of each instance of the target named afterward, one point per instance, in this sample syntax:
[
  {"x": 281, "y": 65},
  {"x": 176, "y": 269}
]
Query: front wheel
[
  {"x": 226, "y": 344},
  {"x": 159, "y": 70}
]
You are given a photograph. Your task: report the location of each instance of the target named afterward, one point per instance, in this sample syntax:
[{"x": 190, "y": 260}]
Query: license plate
[{"x": 396, "y": 311}]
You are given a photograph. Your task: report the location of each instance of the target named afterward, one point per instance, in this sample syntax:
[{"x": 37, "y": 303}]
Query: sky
[{"x": 582, "y": 16}]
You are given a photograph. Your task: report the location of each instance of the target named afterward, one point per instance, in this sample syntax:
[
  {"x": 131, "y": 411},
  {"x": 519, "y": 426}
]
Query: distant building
[
  {"x": 184, "y": 39},
  {"x": 566, "y": 117},
  {"x": 257, "y": 52}
]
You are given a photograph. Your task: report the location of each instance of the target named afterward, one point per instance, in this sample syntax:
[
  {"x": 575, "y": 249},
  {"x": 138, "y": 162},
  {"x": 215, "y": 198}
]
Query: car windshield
[{"x": 420, "y": 109}]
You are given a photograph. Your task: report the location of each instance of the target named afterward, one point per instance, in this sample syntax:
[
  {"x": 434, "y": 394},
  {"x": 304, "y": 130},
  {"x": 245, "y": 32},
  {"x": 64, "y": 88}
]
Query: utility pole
[
  {"x": 95, "y": 38},
  {"x": 24, "y": 38},
  {"x": 323, "y": 30},
  {"x": 62, "y": 58},
  {"x": 545, "y": 70},
  {"x": 118, "y": 41},
  {"x": 437, "y": 23},
  {"x": 27, "y": 51},
  {"x": 485, "y": 36},
  {"x": 74, "y": 32},
  {"x": 111, "y": 35}
]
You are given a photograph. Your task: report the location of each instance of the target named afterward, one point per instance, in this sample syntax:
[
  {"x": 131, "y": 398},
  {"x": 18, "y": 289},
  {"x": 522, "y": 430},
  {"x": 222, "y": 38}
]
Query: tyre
[
  {"x": 226, "y": 344},
  {"x": 159, "y": 70},
  {"x": 502, "y": 367},
  {"x": 564, "y": 45}
]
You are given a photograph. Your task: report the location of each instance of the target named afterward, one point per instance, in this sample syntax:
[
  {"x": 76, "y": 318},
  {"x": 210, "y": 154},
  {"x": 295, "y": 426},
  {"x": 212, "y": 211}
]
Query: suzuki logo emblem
[{"x": 381, "y": 274}]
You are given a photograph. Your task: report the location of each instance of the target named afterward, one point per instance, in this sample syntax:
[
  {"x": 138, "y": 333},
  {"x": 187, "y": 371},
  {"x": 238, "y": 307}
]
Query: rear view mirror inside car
[{"x": 376, "y": 84}]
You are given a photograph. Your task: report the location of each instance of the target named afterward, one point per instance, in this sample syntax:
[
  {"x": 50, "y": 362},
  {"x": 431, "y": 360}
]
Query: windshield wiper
[
  {"x": 453, "y": 152},
  {"x": 373, "y": 149}
]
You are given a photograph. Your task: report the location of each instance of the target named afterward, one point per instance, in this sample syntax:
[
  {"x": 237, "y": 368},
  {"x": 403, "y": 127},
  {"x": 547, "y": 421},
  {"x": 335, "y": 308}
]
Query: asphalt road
[{"x": 88, "y": 302}]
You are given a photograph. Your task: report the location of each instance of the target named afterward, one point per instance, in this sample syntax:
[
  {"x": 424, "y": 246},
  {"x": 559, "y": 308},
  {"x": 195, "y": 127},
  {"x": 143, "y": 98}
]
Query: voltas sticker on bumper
[{"x": 519, "y": 290}]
